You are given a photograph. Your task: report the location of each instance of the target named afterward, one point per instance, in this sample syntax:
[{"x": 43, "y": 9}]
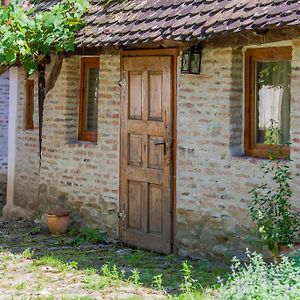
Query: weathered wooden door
[{"x": 146, "y": 129}]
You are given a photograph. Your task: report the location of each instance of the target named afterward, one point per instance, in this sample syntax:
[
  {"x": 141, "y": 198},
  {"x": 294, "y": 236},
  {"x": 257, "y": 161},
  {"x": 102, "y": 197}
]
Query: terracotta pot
[
  {"x": 58, "y": 222},
  {"x": 285, "y": 250}
]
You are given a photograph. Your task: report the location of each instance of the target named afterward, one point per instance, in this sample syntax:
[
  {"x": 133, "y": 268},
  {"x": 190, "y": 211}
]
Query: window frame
[
  {"x": 86, "y": 135},
  {"x": 29, "y": 124},
  {"x": 251, "y": 57}
]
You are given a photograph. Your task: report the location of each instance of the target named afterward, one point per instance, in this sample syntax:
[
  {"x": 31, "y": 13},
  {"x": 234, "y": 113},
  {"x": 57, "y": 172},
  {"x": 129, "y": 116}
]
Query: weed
[
  {"x": 54, "y": 262},
  {"x": 112, "y": 272},
  {"x": 95, "y": 283},
  {"x": 259, "y": 280},
  {"x": 187, "y": 287},
  {"x": 27, "y": 253},
  {"x": 87, "y": 235},
  {"x": 135, "y": 277},
  {"x": 135, "y": 258},
  {"x": 35, "y": 230},
  {"x": 157, "y": 282},
  {"x": 89, "y": 271},
  {"x": 73, "y": 265},
  {"x": 21, "y": 286}
]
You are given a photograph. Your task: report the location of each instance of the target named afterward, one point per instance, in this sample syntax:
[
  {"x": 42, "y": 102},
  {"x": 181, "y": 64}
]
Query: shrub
[
  {"x": 271, "y": 210},
  {"x": 85, "y": 235},
  {"x": 261, "y": 281}
]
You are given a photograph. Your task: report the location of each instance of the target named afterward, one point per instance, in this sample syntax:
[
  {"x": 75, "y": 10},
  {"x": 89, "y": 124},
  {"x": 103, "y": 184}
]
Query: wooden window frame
[
  {"x": 29, "y": 125},
  {"x": 86, "y": 135},
  {"x": 251, "y": 57}
]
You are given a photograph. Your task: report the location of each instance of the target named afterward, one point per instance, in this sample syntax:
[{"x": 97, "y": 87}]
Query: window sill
[{"x": 253, "y": 159}]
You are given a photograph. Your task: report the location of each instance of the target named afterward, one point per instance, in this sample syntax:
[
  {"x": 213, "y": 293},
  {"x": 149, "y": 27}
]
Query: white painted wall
[{"x": 12, "y": 129}]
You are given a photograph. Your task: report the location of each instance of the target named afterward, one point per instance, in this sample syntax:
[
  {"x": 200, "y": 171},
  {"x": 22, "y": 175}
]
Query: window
[
  {"x": 29, "y": 104},
  {"x": 267, "y": 105},
  {"x": 88, "y": 112}
]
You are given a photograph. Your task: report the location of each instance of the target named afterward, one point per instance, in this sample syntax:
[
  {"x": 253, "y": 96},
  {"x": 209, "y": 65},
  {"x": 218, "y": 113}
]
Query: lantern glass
[
  {"x": 185, "y": 66},
  {"x": 191, "y": 61},
  {"x": 195, "y": 62}
]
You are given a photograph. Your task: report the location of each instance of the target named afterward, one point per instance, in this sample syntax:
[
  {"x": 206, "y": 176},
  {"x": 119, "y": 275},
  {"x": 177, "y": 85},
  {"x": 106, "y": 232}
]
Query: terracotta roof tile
[{"x": 139, "y": 21}]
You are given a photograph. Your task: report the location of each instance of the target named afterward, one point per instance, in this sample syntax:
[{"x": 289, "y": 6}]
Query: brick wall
[
  {"x": 27, "y": 151},
  {"x": 83, "y": 177},
  {"x": 213, "y": 178},
  {"x": 4, "y": 101}
]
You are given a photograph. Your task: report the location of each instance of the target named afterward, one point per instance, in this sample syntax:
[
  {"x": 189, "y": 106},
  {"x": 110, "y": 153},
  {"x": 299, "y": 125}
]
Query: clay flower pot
[
  {"x": 285, "y": 250},
  {"x": 58, "y": 221}
]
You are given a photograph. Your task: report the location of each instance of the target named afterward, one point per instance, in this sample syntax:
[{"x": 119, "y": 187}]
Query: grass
[{"x": 95, "y": 269}]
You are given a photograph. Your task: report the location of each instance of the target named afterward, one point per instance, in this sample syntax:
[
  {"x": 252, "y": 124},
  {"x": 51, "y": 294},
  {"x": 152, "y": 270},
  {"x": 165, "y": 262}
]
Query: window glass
[
  {"x": 272, "y": 102},
  {"x": 91, "y": 96}
]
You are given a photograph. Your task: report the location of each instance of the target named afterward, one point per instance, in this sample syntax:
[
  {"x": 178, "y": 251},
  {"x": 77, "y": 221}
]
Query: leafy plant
[
  {"x": 260, "y": 281},
  {"x": 85, "y": 235},
  {"x": 135, "y": 277},
  {"x": 271, "y": 209},
  {"x": 112, "y": 272},
  {"x": 28, "y": 253},
  {"x": 273, "y": 134},
  {"x": 157, "y": 282},
  {"x": 187, "y": 287},
  {"x": 28, "y": 35}
]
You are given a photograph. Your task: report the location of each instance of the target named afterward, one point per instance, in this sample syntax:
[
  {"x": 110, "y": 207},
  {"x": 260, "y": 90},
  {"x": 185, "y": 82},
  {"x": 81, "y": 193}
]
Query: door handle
[{"x": 162, "y": 143}]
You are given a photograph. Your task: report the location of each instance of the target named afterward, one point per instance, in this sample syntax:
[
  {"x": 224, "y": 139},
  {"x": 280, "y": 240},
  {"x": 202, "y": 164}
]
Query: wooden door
[{"x": 146, "y": 147}]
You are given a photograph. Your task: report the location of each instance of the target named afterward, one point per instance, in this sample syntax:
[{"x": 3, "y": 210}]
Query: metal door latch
[
  {"x": 122, "y": 215},
  {"x": 162, "y": 143}
]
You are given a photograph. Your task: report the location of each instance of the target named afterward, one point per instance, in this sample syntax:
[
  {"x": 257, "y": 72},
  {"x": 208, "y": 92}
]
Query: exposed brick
[{"x": 213, "y": 178}]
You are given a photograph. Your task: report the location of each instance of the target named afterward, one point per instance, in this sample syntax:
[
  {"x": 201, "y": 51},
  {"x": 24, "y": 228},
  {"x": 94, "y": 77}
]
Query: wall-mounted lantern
[{"x": 191, "y": 61}]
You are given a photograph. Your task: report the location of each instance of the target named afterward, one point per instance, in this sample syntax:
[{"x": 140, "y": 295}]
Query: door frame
[{"x": 173, "y": 53}]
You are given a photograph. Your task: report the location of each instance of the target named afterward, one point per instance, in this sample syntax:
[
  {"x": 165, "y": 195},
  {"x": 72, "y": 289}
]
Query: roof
[{"x": 140, "y": 21}]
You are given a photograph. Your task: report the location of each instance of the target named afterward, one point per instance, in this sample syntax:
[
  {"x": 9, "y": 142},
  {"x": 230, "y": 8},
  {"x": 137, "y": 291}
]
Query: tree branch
[{"x": 54, "y": 73}]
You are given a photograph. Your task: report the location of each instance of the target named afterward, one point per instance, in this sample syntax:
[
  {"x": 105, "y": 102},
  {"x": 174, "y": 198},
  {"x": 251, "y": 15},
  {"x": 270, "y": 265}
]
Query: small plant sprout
[
  {"x": 135, "y": 277},
  {"x": 86, "y": 235},
  {"x": 112, "y": 272},
  {"x": 27, "y": 253},
  {"x": 187, "y": 287},
  {"x": 157, "y": 283},
  {"x": 73, "y": 265}
]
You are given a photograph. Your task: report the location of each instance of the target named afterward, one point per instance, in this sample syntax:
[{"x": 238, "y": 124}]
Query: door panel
[{"x": 146, "y": 129}]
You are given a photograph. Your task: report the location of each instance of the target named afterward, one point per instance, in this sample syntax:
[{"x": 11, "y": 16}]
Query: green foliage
[
  {"x": 27, "y": 35},
  {"x": 260, "y": 281},
  {"x": 135, "y": 277},
  {"x": 112, "y": 272},
  {"x": 27, "y": 253},
  {"x": 187, "y": 287},
  {"x": 271, "y": 209},
  {"x": 85, "y": 235},
  {"x": 157, "y": 283},
  {"x": 55, "y": 262},
  {"x": 273, "y": 134}
]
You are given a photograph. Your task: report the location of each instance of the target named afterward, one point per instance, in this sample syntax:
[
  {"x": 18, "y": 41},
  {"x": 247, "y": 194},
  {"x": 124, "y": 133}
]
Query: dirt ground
[{"x": 35, "y": 265}]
